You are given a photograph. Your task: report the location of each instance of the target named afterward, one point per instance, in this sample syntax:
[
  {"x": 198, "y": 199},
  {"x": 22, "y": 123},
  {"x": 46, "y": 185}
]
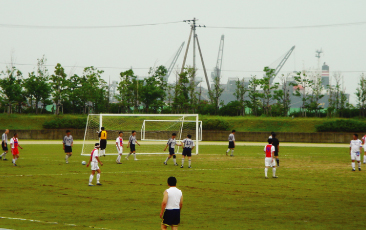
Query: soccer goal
[{"x": 153, "y": 131}]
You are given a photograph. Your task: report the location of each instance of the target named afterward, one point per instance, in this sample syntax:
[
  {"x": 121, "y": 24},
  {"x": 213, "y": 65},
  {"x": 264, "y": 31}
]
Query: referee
[
  {"x": 103, "y": 141},
  {"x": 276, "y": 144}
]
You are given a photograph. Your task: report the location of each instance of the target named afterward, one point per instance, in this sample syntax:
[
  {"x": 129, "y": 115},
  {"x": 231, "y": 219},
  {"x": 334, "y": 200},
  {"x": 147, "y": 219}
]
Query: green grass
[{"x": 315, "y": 190}]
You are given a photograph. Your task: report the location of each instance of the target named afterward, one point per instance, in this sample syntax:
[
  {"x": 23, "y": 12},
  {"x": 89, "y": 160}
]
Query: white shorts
[
  {"x": 269, "y": 162},
  {"x": 120, "y": 150},
  {"x": 356, "y": 156},
  {"x": 94, "y": 166}
]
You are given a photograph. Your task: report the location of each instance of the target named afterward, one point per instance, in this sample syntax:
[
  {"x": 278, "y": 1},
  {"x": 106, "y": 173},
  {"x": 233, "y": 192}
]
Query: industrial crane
[
  {"x": 282, "y": 63},
  {"x": 217, "y": 72},
  {"x": 171, "y": 66}
]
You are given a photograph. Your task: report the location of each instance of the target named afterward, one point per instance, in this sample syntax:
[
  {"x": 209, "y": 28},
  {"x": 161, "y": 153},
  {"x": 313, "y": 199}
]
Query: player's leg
[
  {"x": 364, "y": 158},
  {"x": 274, "y": 171},
  {"x": 183, "y": 156},
  {"x": 4, "y": 155},
  {"x": 227, "y": 151},
  {"x": 232, "y": 152},
  {"x": 175, "y": 160},
  {"x": 358, "y": 159},
  {"x": 98, "y": 177},
  {"x": 277, "y": 159},
  {"x": 134, "y": 156},
  {"x": 163, "y": 227},
  {"x": 166, "y": 160},
  {"x": 91, "y": 176},
  {"x": 174, "y": 227},
  {"x": 189, "y": 161}
]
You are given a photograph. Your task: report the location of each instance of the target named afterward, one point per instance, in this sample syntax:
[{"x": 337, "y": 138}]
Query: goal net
[{"x": 152, "y": 131}]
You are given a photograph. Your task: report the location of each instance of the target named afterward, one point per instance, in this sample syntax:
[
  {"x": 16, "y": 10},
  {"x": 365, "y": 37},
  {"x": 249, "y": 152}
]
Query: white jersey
[
  {"x": 94, "y": 155},
  {"x": 231, "y": 137},
  {"x": 119, "y": 142},
  {"x": 174, "y": 196},
  {"x": 132, "y": 140},
  {"x": 13, "y": 141},
  {"x": 4, "y": 138},
  {"x": 171, "y": 142},
  {"x": 68, "y": 140},
  {"x": 355, "y": 145},
  {"x": 188, "y": 143}
]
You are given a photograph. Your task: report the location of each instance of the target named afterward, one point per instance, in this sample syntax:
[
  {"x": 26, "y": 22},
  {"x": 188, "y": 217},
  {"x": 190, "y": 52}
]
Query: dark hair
[
  {"x": 270, "y": 141},
  {"x": 67, "y": 131},
  {"x": 102, "y": 128},
  {"x": 189, "y": 136},
  {"x": 96, "y": 144},
  {"x": 120, "y": 132},
  {"x": 133, "y": 131},
  {"x": 356, "y": 135},
  {"x": 174, "y": 134},
  {"x": 172, "y": 181},
  {"x": 273, "y": 134},
  {"x": 233, "y": 131},
  {"x": 15, "y": 134}
]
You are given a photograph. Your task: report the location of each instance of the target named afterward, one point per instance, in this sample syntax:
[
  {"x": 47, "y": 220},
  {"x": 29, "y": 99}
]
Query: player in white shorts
[
  {"x": 355, "y": 151},
  {"x": 364, "y": 148},
  {"x": 269, "y": 160},
  {"x": 119, "y": 146},
  {"x": 94, "y": 160}
]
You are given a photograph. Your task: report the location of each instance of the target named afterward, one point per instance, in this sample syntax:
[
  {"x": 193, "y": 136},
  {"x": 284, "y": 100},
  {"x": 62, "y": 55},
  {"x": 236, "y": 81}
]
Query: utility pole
[{"x": 194, "y": 44}]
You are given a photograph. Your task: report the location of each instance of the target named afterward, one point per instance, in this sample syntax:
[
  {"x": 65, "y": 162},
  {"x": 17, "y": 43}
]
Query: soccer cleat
[
  {"x": 275, "y": 177},
  {"x": 359, "y": 169},
  {"x": 67, "y": 162},
  {"x": 136, "y": 159},
  {"x": 189, "y": 167},
  {"x": 5, "y": 159},
  {"x": 165, "y": 163},
  {"x": 126, "y": 158},
  {"x": 90, "y": 184},
  {"x": 175, "y": 164},
  {"x": 103, "y": 155},
  {"x": 266, "y": 177},
  {"x": 1, "y": 157},
  {"x": 353, "y": 169},
  {"x": 231, "y": 155},
  {"x": 99, "y": 183},
  {"x": 181, "y": 166},
  {"x": 119, "y": 163},
  {"x": 15, "y": 164}
]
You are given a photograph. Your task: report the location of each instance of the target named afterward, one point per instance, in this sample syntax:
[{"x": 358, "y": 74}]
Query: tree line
[{"x": 89, "y": 93}]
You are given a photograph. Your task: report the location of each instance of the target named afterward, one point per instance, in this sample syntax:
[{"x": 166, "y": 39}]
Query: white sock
[
  {"x": 274, "y": 171},
  {"x": 13, "y": 161},
  {"x": 183, "y": 161},
  {"x": 98, "y": 177},
  {"x": 4, "y": 155},
  {"x": 91, "y": 179},
  {"x": 167, "y": 159},
  {"x": 227, "y": 150},
  {"x": 66, "y": 157},
  {"x": 353, "y": 165},
  {"x": 265, "y": 172},
  {"x": 103, "y": 151},
  {"x": 189, "y": 162},
  {"x": 174, "y": 160},
  {"x": 364, "y": 158},
  {"x": 134, "y": 156},
  {"x": 232, "y": 152},
  {"x": 128, "y": 155},
  {"x": 359, "y": 164},
  {"x": 119, "y": 157},
  {"x": 70, "y": 155}
]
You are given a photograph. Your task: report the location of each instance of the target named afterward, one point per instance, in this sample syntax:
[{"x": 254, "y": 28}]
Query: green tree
[
  {"x": 302, "y": 87},
  {"x": 59, "y": 83},
  {"x": 128, "y": 89},
  {"x": 216, "y": 92},
  {"x": 361, "y": 95},
  {"x": 254, "y": 95},
  {"x": 282, "y": 96},
  {"x": 11, "y": 85},
  {"x": 239, "y": 93},
  {"x": 268, "y": 87},
  {"x": 182, "y": 102}
]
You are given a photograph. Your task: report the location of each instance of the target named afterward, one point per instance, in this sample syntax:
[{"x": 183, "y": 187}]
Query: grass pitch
[{"x": 316, "y": 189}]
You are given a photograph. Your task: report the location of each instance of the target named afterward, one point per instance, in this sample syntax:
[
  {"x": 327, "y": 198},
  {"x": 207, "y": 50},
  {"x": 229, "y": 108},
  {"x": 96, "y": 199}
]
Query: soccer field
[{"x": 316, "y": 189}]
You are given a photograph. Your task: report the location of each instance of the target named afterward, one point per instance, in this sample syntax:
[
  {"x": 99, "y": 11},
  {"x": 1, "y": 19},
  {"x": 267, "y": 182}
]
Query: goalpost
[{"x": 152, "y": 131}]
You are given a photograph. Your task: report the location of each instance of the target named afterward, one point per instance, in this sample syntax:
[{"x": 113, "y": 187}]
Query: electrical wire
[{"x": 82, "y": 27}]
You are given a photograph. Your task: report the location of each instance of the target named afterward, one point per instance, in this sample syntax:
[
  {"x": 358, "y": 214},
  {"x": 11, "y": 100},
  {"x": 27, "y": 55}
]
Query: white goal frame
[{"x": 183, "y": 116}]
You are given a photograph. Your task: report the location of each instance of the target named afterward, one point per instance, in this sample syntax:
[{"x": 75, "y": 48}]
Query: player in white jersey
[
  {"x": 188, "y": 146},
  {"x": 355, "y": 151},
  {"x": 231, "y": 143},
  {"x": 171, "y": 144},
  {"x": 4, "y": 144},
  {"x": 269, "y": 160},
  {"x": 132, "y": 142},
  {"x": 364, "y": 148},
  {"x": 171, "y": 205},
  {"x": 94, "y": 160},
  {"x": 67, "y": 144},
  {"x": 119, "y": 146}
]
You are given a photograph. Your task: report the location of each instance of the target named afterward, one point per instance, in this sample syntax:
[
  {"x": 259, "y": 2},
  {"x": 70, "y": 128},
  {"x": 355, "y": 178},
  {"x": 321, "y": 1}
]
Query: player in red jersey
[
  {"x": 364, "y": 148},
  {"x": 14, "y": 148},
  {"x": 269, "y": 160}
]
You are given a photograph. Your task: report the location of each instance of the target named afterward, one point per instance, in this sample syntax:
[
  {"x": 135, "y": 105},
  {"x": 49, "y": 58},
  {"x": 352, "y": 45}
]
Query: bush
[
  {"x": 231, "y": 109},
  {"x": 215, "y": 124},
  {"x": 65, "y": 123},
  {"x": 341, "y": 126}
]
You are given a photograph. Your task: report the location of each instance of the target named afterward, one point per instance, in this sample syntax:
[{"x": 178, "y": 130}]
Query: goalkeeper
[{"x": 103, "y": 141}]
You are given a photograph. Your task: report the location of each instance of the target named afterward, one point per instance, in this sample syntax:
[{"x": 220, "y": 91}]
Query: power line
[
  {"x": 286, "y": 27},
  {"x": 82, "y": 27}
]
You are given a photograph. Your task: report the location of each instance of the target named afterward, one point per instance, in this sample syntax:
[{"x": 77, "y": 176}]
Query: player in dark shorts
[
  {"x": 103, "y": 141},
  {"x": 4, "y": 145},
  {"x": 170, "y": 208},
  {"x": 276, "y": 144},
  {"x": 171, "y": 144},
  {"x": 231, "y": 143}
]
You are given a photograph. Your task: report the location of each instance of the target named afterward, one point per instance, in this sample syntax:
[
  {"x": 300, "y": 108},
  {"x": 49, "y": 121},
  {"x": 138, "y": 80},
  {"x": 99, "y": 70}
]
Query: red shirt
[{"x": 269, "y": 149}]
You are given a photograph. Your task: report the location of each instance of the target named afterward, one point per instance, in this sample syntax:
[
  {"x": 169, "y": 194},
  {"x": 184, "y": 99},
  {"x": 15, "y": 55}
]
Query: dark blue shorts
[
  {"x": 171, "y": 151},
  {"x": 231, "y": 145},
  {"x": 133, "y": 149},
  {"x": 187, "y": 152},
  {"x": 68, "y": 149},
  {"x": 171, "y": 217},
  {"x": 3, "y": 146}
]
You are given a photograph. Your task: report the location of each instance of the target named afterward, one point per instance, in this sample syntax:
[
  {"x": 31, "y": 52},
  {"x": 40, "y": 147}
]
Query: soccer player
[
  {"x": 103, "y": 141},
  {"x": 231, "y": 143},
  {"x": 4, "y": 144},
  {"x": 67, "y": 143},
  {"x": 269, "y": 160},
  {"x": 171, "y": 143},
  {"x": 171, "y": 205},
  {"x": 132, "y": 142},
  {"x": 355, "y": 149},
  {"x": 14, "y": 148},
  {"x": 364, "y": 148},
  {"x": 119, "y": 145},
  {"x": 94, "y": 160},
  {"x": 188, "y": 146},
  {"x": 276, "y": 144}
]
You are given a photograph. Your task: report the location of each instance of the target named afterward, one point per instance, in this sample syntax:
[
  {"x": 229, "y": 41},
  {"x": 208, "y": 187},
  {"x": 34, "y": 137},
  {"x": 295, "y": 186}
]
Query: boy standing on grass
[
  {"x": 269, "y": 160},
  {"x": 172, "y": 143},
  {"x": 171, "y": 205},
  {"x": 4, "y": 144},
  {"x": 67, "y": 143},
  {"x": 231, "y": 143},
  {"x": 132, "y": 142},
  {"x": 355, "y": 151},
  {"x": 103, "y": 140},
  {"x": 119, "y": 145},
  {"x": 14, "y": 148},
  {"x": 188, "y": 146},
  {"x": 94, "y": 160}
]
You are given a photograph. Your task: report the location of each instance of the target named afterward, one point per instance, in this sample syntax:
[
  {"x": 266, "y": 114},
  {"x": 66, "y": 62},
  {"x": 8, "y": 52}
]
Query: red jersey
[{"x": 269, "y": 149}]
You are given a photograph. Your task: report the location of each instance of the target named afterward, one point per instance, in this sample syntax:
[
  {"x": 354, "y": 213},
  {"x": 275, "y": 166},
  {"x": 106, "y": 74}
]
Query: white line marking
[{"x": 45, "y": 222}]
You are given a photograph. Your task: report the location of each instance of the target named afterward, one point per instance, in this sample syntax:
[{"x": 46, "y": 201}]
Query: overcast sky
[{"x": 246, "y": 51}]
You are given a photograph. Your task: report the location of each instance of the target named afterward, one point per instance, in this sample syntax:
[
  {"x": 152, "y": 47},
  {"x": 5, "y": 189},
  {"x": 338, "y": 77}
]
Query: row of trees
[{"x": 90, "y": 93}]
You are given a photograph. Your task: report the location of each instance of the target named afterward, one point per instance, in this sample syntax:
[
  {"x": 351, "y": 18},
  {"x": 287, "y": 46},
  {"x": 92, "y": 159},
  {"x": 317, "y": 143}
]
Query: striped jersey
[
  {"x": 14, "y": 143},
  {"x": 68, "y": 140},
  {"x": 188, "y": 143},
  {"x": 94, "y": 155},
  {"x": 269, "y": 149},
  {"x": 4, "y": 138},
  {"x": 171, "y": 143},
  {"x": 231, "y": 137},
  {"x": 132, "y": 140},
  {"x": 119, "y": 141}
]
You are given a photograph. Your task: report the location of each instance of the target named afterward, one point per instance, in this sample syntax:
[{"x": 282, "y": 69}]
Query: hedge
[
  {"x": 341, "y": 126},
  {"x": 65, "y": 123}
]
